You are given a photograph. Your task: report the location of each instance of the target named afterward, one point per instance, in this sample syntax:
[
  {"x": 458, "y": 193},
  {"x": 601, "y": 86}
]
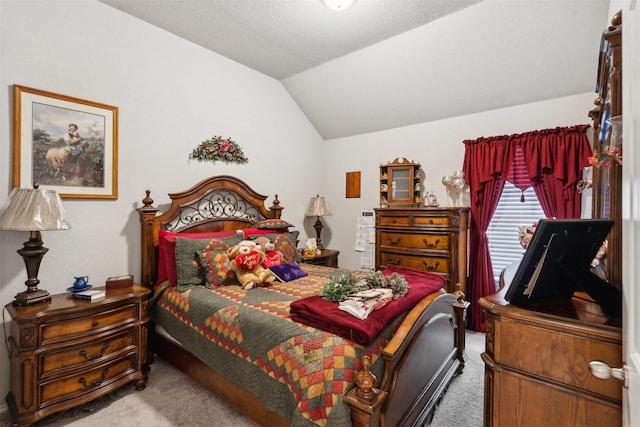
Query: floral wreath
[{"x": 219, "y": 149}]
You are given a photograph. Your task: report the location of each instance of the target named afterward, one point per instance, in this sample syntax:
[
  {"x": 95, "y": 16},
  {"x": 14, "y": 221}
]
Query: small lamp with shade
[
  {"x": 33, "y": 210},
  {"x": 318, "y": 207}
]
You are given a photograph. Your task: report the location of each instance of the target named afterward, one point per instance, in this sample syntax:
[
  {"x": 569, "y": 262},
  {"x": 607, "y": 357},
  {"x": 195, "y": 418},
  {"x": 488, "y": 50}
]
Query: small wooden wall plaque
[{"x": 353, "y": 185}]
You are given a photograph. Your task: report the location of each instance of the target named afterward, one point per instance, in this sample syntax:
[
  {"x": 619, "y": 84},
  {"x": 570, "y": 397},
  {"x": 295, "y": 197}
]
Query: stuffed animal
[
  {"x": 246, "y": 263},
  {"x": 271, "y": 256}
]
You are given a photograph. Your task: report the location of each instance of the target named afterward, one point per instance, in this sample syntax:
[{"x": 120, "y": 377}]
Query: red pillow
[
  {"x": 248, "y": 232},
  {"x": 167, "y": 251}
]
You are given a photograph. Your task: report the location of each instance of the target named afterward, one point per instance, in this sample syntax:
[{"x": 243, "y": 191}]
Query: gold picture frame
[{"x": 78, "y": 164}]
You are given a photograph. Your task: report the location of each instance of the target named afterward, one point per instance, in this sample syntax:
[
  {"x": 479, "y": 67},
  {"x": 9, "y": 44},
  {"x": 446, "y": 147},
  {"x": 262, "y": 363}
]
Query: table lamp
[
  {"x": 33, "y": 210},
  {"x": 318, "y": 207}
]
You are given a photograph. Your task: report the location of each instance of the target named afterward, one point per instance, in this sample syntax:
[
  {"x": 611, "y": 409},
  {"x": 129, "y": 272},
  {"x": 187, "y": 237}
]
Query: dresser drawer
[
  {"x": 557, "y": 356},
  {"x": 432, "y": 242},
  {"x": 393, "y": 220},
  {"x": 85, "y": 381},
  {"x": 427, "y": 263},
  {"x": 52, "y": 363},
  {"x": 432, "y": 221},
  {"x": 64, "y": 329}
]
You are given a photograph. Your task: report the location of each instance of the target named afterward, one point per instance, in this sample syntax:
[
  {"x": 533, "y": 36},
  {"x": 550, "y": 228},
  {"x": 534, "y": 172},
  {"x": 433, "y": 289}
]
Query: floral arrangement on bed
[
  {"x": 339, "y": 287},
  {"x": 219, "y": 149}
]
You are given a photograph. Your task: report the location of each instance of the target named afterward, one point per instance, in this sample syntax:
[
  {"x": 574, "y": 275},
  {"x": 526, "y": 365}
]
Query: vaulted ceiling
[{"x": 382, "y": 64}]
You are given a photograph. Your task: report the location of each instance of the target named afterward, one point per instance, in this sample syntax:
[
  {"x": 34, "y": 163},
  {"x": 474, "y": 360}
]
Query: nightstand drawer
[
  {"x": 63, "y": 330},
  {"x": 86, "y": 381},
  {"x": 54, "y": 362},
  {"x": 433, "y": 264},
  {"x": 432, "y": 242}
]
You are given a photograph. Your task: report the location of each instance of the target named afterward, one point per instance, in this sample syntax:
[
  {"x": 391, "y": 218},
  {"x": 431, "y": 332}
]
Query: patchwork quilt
[{"x": 248, "y": 336}]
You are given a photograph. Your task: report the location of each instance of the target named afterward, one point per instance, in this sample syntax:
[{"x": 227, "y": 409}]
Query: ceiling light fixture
[{"x": 338, "y": 4}]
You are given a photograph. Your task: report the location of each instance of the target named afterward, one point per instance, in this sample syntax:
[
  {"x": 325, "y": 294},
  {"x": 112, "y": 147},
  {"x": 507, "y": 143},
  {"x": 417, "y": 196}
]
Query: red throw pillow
[
  {"x": 248, "y": 232},
  {"x": 167, "y": 251}
]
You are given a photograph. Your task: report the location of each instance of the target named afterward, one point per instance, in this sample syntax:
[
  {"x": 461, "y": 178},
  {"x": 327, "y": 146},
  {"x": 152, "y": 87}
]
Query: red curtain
[{"x": 550, "y": 160}]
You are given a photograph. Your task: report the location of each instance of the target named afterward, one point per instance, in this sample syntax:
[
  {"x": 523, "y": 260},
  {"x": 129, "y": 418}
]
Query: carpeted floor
[{"x": 170, "y": 395}]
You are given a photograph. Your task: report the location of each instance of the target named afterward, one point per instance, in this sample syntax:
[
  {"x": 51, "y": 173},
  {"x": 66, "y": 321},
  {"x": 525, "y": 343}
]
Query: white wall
[
  {"x": 171, "y": 96},
  {"x": 437, "y": 146}
]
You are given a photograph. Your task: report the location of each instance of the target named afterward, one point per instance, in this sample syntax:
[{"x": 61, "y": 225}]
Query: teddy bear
[
  {"x": 246, "y": 263},
  {"x": 271, "y": 256}
]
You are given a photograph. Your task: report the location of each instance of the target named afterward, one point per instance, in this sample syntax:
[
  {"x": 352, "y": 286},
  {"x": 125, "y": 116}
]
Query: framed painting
[{"x": 65, "y": 144}]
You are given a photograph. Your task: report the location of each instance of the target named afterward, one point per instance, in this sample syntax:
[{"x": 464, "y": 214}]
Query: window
[{"x": 511, "y": 213}]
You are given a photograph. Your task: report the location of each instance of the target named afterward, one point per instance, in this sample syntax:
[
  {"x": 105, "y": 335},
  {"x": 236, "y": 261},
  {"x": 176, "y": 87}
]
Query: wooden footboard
[{"x": 426, "y": 352}]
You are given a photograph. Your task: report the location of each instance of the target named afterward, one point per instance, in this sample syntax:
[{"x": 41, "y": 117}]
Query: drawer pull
[
  {"x": 429, "y": 245},
  {"x": 430, "y": 267},
  {"x": 394, "y": 242},
  {"x": 394, "y": 261},
  {"x": 95, "y": 383},
  {"x": 95, "y": 323},
  {"x": 430, "y": 221},
  {"x": 95, "y": 356}
]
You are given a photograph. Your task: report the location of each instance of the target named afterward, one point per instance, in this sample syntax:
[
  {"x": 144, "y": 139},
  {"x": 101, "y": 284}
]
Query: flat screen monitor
[{"x": 557, "y": 263}]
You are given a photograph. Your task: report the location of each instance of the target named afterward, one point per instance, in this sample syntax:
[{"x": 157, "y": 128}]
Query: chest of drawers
[
  {"x": 537, "y": 364},
  {"x": 67, "y": 352},
  {"x": 430, "y": 239}
]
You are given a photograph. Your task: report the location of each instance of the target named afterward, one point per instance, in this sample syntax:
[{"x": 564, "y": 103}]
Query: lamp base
[
  {"x": 318, "y": 226},
  {"x": 32, "y": 297}
]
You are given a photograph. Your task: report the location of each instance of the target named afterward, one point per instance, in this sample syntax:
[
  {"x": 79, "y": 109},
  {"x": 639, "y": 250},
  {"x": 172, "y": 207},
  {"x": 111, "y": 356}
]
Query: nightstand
[
  {"x": 327, "y": 258},
  {"x": 67, "y": 352}
]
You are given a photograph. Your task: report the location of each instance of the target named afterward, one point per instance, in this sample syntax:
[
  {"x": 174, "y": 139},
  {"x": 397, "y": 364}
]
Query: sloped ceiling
[{"x": 383, "y": 64}]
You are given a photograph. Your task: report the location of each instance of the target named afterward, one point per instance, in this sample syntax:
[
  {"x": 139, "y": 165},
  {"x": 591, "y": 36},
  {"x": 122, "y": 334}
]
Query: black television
[{"x": 557, "y": 263}]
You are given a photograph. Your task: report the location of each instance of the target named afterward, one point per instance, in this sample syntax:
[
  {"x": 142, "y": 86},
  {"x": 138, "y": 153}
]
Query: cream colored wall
[
  {"x": 171, "y": 95},
  {"x": 437, "y": 146}
]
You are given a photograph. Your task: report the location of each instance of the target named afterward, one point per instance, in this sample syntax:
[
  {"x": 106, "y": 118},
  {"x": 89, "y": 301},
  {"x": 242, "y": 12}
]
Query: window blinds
[{"x": 511, "y": 213}]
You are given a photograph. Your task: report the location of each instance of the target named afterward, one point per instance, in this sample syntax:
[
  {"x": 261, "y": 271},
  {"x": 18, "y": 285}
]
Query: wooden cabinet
[
  {"x": 431, "y": 239},
  {"x": 67, "y": 352},
  {"x": 607, "y": 179},
  {"x": 327, "y": 258},
  {"x": 400, "y": 183},
  {"x": 536, "y": 364}
]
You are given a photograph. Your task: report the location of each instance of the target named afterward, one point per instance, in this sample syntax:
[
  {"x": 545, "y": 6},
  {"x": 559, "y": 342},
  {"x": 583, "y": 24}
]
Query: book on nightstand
[{"x": 90, "y": 295}]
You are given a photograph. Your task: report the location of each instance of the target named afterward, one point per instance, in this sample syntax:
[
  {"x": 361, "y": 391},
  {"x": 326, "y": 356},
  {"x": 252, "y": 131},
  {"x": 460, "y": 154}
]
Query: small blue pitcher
[{"x": 81, "y": 282}]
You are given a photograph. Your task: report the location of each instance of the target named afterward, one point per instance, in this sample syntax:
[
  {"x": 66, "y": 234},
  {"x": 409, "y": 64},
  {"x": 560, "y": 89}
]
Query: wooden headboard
[{"x": 214, "y": 204}]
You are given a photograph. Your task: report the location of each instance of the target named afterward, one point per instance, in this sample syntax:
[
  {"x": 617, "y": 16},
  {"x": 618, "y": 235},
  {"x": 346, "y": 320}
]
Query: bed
[{"x": 250, "y": 352}]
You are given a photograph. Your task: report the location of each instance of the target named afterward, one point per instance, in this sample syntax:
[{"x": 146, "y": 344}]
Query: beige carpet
[{"x": 170, "y": 395}]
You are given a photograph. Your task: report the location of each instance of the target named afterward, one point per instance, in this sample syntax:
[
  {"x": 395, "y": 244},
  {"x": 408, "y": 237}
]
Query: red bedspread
[{"x": 325, "y": 315}]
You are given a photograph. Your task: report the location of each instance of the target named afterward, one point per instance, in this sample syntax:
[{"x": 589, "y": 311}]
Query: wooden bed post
[
  {"x": 276, "y": 208},
  {"x": 460, "y": 308},
  {"x": 364, "y": 399},
  {"x": 149, "y": 259}
]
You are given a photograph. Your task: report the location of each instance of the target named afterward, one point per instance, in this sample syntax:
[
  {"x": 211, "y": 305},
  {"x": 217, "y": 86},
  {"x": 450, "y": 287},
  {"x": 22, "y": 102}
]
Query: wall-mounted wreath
[{"x": 220, "y": 149}]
